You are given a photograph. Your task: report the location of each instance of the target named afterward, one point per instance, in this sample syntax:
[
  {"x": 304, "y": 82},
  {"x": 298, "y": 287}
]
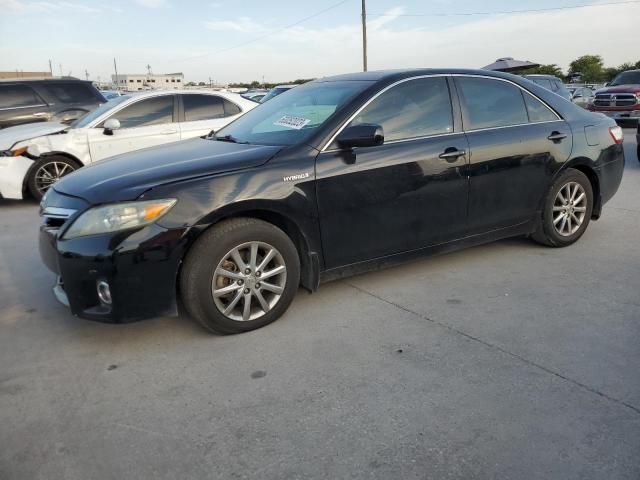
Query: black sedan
[{"x": 334, "y": 177}]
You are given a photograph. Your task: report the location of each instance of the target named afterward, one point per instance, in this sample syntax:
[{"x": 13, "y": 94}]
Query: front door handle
[
  {"x": 557, "y": 136},
  {"x": 40, "y": 114},
  {"x": 451, "y": 154},
  {"x": 168, "y": 132}
]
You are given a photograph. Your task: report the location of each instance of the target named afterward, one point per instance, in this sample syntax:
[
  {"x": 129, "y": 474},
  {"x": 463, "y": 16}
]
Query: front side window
[
  {"x": 202, "y": 107},
  {"x": 152, "y": 111},
  {"x": 292, "y": 117},
  {"x": 489, "y": 103},
  {"x": 16, "y": 96},
  {"x": 538, "y": 111},
  {"x": 415, "y": 108}
]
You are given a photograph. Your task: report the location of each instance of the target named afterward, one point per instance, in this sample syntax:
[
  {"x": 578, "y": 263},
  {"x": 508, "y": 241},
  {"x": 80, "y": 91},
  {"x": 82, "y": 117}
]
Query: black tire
[
  {"x": 547, "y": 234},
  {"x": 197, "y": 274},
  {"x": 65, "y": 166}
]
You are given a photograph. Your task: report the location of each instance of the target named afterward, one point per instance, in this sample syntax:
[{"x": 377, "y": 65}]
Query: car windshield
[
  {"x": 293, "y": 116},
  {"x": 105, "y": 107},
  {"x": 627, "y": 78}
]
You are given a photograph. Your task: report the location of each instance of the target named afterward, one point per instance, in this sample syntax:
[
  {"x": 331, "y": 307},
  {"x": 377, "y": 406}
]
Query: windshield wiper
[{"x": 228, "y": 138}]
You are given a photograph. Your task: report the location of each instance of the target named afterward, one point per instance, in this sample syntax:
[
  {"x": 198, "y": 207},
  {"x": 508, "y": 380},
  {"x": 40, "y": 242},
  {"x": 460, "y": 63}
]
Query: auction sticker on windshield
[{"x": 290, "y": 121}]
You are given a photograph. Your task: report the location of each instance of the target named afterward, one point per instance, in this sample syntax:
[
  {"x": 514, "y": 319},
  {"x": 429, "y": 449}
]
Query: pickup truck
[{"x": 620, "y": 99}]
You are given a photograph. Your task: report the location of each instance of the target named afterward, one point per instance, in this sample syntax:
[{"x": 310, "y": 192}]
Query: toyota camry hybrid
[{"x": 334, "y": 177}]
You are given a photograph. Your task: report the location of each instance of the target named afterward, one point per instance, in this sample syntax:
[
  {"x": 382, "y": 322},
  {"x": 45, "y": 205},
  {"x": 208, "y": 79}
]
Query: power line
[
  {"x": 273, "y": 32},
  {"x": 503, "y": 12}
]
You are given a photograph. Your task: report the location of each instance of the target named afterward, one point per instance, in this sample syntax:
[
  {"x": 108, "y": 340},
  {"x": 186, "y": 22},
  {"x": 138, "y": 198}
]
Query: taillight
[{"x": 616, "y": 134}]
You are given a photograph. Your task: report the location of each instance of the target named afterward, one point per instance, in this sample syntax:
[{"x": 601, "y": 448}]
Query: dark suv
[{"x": 40, "y": 100}]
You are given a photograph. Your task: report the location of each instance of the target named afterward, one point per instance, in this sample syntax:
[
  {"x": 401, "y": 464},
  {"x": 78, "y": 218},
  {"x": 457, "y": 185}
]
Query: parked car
[
  {"x": 255, "y": 95},
  {"x": 41, "y": 100},
  {"x": 338, "y": 176},
  {"x": 551, "y": 83},
  {"x": 275, "y": 91},
  {"x": 582, "y": 96},
  {"x": 33, "y": 157},
  {"x": 620, "y": 99},
  {"x": 110, "y": 94}
]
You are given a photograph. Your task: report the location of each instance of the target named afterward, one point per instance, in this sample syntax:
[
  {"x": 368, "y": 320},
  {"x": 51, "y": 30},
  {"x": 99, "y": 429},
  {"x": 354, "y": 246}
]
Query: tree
[{"x": 590, "y": 66}]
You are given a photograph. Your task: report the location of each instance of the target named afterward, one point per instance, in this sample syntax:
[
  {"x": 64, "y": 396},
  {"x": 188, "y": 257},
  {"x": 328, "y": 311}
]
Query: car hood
[
  {"x": 12, "y": 135},
  {"x": 126, "y": 177},
  {"x": 620, "y": 89}
]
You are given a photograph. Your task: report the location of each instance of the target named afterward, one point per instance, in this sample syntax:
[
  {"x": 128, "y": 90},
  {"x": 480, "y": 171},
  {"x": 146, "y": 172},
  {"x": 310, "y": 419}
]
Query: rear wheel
[
  {"x": 567, "y": 210},
  {"x": 240, "y": 275},
  {"x": 47, "y": 171}
]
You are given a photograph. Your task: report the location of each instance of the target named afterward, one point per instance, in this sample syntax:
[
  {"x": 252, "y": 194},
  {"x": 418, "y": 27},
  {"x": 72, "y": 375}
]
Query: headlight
[{"x": 118, "y": 216}]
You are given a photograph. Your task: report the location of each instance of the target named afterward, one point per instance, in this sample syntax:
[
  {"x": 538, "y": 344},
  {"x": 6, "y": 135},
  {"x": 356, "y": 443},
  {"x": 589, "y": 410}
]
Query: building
[
  {"x": 144, "y": 81},
  {"x": 21, "y": 74}
]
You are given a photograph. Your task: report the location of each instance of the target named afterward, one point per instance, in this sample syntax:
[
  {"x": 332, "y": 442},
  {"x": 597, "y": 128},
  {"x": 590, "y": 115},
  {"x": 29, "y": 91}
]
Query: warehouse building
[{"x": 144, "y": 81}]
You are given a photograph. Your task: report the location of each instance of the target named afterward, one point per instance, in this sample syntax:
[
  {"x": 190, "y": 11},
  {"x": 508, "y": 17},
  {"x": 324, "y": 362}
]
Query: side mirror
[
  {"x": 111, "y": 125},
  {"x": 577, "y": 95},
  {"x": 363, "y": 135}
]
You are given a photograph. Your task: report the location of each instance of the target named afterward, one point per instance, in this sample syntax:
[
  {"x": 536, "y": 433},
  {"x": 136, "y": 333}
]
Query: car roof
[
  {"x": 43, "y": 79},
  {"x": 156, "y": 93},
  {"x": 398, "y": 74},
  {"x": 541, "y": 75}
]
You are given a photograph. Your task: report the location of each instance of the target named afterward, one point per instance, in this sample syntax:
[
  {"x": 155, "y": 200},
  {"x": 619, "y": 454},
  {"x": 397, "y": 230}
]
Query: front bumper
[
  {"x": 13, "y": 171},
  {"x": 140, "y": 266}
]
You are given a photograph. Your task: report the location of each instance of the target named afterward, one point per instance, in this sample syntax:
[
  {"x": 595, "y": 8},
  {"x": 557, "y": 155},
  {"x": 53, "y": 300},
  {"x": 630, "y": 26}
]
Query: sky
[{"x": 236, "y": 40}]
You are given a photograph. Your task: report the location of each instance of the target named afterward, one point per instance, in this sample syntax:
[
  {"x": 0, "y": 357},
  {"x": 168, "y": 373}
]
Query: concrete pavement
[{"x": 509, "y": 360}]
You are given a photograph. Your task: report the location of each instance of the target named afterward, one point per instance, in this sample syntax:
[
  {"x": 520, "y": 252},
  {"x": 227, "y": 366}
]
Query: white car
[{"x": 34, "y": 156}]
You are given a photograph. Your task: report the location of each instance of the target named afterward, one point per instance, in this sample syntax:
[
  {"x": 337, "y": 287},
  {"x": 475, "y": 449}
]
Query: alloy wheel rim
[
  {"x": 249, "y": 281},
  {"x": 569, "y": 209},
  {"x": 50, "y": 173}
]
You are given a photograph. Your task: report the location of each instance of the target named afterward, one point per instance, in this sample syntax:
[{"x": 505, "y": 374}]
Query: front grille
[
  {"x": 615, "y": 100},
  {"x": 55, "y": 217}
]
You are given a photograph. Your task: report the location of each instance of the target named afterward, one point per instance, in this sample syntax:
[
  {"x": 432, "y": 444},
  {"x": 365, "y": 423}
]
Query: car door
[
  {"x": 516, "y": 144},
  {"x": 146, "y": 122},
  {"x": 21, "y": 104},
  {"x": 205, "y": 112},
  {"x": 401, "y": 195}
]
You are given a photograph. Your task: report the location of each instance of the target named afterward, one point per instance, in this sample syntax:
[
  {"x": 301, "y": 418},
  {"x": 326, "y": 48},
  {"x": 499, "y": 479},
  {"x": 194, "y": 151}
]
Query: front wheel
[
  {"x": 240, "y": 275},
  {"x": 46, "y": 172},
  {"x": 567, "y": 210}
]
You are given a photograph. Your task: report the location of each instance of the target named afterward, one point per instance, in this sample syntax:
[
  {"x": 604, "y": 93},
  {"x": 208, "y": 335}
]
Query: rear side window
[
  {"x": 543, "y": 82},
  {"x": 415, "y": 108},
  {"x": 538, "y": 111},
  {"x": 202, "y": 107},
  {"x": 490, "y": 103},
  {"x": 152, "y": 111},
  {"x": 15, "y": 96},
  {"x": 70, "y": 92}
]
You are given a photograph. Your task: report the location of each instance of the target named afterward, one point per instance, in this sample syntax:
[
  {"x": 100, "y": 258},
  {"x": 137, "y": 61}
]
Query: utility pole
[
  {"x": 50, "y": 68},
  {"x": 115, "y": 67},
  {"x": 86, "y": 74},
  {"x": 60, "y": 65},
  {"x": 364, "y": 35}
]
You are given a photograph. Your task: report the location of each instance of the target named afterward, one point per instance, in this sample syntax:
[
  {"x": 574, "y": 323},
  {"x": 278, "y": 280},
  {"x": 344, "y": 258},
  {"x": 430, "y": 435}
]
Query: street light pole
[{"x": 364, "y": 35}]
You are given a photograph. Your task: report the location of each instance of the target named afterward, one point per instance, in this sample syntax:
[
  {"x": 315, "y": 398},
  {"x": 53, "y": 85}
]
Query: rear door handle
[
  {"x": 452, "y": 154},
  {"x": 168, "y": 132},
  {"x": 557, "y": 136},
  {"x": 40, "y": 114}
]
